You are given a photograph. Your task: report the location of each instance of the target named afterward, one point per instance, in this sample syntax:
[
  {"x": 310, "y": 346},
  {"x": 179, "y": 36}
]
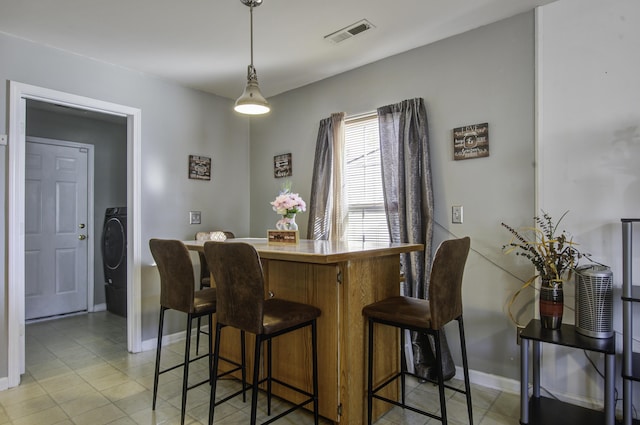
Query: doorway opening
[{"x": 18, "y": 95}]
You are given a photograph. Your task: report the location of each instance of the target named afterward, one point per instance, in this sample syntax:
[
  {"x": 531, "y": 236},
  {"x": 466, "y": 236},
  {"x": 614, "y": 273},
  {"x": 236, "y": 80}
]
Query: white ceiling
[{"x": 204, "y": 44}]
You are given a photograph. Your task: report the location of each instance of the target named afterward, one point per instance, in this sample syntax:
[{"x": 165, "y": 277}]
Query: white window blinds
[{"x": 367, "y": 219}]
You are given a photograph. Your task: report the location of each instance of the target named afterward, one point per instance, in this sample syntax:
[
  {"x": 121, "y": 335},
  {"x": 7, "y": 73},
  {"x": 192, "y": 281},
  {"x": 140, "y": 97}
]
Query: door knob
[
  {"x": 81, "y": 225},
  {"x": 82, "y": 237}
]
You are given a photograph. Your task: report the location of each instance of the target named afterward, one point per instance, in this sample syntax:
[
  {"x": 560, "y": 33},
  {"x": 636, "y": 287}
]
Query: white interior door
[{"x": 56, "y": 232}]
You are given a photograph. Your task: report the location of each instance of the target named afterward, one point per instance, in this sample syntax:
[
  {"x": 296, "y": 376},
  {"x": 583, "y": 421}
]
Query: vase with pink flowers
[{"x": 288, "y": 204}]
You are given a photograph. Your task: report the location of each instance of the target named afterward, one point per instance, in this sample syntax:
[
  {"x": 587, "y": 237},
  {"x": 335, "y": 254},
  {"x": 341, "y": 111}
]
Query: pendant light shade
[{"x": 252, "y": 102}]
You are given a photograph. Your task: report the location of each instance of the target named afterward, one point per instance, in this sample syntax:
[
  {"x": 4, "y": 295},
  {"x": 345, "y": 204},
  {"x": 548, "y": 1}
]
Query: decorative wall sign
[
  {"x": 282, "y": 166},
  {"x": 282, "y": 236},
  {"x": 471, "y": 141},
  {"x": 199, "y": 167}
]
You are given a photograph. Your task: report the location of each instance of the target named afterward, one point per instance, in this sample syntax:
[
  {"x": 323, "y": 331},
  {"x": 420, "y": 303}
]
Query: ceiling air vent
[{"x": 350, "y": 31}]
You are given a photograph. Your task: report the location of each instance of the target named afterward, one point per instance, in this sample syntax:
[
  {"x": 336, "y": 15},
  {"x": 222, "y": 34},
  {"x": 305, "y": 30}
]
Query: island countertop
[{"x": 318, "y": 252}]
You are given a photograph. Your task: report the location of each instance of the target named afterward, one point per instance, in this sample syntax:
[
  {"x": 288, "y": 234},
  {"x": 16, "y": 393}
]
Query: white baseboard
[
  {"x": 4, "y": 384},
  {"x": 100, "y": 307},
  {"x": 512, "y": 386},
  {"x": 151, "y": 344},
  {"x": 487, "y": 380}
]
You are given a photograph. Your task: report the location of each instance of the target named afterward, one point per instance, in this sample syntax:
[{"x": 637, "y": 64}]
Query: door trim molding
[
  {"x": 90, "y": 207},
  {"x": 18, "y": 93}
]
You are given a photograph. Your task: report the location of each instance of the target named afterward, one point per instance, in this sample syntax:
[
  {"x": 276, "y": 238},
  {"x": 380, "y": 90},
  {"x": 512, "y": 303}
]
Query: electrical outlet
[
  {"x": 195, "y": 217},
  {"x": 456, "y": 214}
]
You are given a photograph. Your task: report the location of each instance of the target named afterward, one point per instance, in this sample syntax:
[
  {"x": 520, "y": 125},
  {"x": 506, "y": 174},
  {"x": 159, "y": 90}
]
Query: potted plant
[{"x": 554, "y": 256}]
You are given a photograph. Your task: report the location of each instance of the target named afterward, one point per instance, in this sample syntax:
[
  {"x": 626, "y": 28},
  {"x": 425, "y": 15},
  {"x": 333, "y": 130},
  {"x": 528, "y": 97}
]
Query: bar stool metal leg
[
  {"x": 256, "y": 372},
  {"x": 370, "y": 375},
  {"x": 198, "y": 332},
  {"x": 214, "y": 379},
  {"x": 243, "y": 360},
  {"x": 185, "y": 375},
  {"x": 443, "y": 402},
  {"x": 314, "y": 348},
  {"x": 156, "y": 375},
  {"x": 269, "y": 375},
  {"x": 465, "y": 366},
  {"x": 210, "y": 348},
  {"x": 403, "y": 366}
]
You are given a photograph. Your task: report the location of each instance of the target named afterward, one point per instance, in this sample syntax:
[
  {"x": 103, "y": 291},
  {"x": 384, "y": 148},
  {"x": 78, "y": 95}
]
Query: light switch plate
[
  {"x": 456, "y": 214},
  {"x": 195, "y": 217}
]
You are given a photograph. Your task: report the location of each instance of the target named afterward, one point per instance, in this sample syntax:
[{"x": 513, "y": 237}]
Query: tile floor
[{"x": 79, "y": 372}]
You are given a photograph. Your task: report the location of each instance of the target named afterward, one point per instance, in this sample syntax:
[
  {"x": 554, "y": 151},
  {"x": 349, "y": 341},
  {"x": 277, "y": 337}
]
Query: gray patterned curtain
[
  {"x": 406, "y": 175},
  {"x": 326, "y": 203}
]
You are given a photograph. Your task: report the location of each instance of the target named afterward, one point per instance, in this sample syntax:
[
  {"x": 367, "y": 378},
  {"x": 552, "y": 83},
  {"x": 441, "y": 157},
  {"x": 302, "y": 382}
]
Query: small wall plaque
[
  {"x": 199, "y": 167},
  {"x": 282, "y": 166},
  {"x": 471, "y": 141},
  {"x": 283, "y": 237}
]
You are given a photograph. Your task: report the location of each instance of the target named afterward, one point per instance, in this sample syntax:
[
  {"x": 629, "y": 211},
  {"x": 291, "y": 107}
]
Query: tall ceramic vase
[{"x": 551, "y": 304}]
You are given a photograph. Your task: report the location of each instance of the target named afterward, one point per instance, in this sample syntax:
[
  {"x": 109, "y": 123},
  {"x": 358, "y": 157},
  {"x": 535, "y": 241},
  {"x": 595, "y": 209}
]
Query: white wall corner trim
[{"x": 18, "y": 94}]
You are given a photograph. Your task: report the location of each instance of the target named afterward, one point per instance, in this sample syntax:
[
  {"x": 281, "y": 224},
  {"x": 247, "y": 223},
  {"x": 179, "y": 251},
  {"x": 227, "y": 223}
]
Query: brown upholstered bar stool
[
  {"x": 430, "y": 317},
  {"x": 239, "y": 278},
  {"x": 177, "y": 293},
  {"x": 177, "y": 282},
  {"x": 205, "y": 275}
]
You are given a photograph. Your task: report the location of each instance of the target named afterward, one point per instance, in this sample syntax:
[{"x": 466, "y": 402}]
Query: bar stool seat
[
  {"x": 425, "y": 316},
  {"x": 239, "y": 278}
]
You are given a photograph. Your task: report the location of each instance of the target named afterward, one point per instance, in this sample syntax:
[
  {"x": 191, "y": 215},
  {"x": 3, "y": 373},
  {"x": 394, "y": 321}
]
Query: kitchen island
[{"x": 340, "y": 279}]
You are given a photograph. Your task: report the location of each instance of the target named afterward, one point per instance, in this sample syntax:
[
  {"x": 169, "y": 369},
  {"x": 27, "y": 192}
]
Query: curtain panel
[
  {"x": 408, "y": 195},
  {"x": 327, "y": 204}
]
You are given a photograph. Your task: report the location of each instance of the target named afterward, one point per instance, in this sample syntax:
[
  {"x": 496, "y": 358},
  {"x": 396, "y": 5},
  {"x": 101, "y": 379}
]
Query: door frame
[
  {"x": 18, "y": 93},
  {"x": 92, "y": 231}
]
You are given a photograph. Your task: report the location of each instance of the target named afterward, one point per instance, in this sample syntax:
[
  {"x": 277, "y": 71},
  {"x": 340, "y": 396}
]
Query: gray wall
[
  {"x": 589, "y": 150},
  {"x": 176, "y": 122},
  {"x": 110, "y": 161},
  {"x": 485, "y": 75}
]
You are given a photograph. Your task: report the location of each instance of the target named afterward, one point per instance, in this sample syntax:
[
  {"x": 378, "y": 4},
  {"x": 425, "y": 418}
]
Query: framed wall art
[
  {"x": 471, "y": 141},
  {"x": 282, "y": 166},
  {"x": 199, "y": 167}
]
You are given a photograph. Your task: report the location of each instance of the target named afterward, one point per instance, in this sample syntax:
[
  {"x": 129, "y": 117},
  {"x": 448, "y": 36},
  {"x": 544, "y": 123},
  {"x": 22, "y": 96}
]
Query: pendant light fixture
[{"x": 252, "y": 102}]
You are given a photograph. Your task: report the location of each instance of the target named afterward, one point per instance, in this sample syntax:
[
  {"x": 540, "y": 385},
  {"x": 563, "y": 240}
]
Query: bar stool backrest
[
  {"x": 237, "y": 271},
  {"x": 210, "y": 236},
  {"x": 176, "y": 274},
  {"x": 445, "y": 285}
]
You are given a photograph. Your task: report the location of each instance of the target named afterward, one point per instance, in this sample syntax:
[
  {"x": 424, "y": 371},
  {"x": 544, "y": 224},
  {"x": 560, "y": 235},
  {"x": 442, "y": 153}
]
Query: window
[{"x": 367, "y": 219}]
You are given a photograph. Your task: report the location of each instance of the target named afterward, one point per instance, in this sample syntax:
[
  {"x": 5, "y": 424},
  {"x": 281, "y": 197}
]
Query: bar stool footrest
[
  {"x": 406, "y": 406},
  {"x": 291, "y": 387},
  {"x": 230, "y": 396},
  {"x": 286, "y": 412},
  {"x": 169, "y": 369}
]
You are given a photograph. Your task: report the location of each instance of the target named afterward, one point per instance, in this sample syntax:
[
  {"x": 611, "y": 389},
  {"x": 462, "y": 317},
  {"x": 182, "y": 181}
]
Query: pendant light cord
[{"x": 251, "y": 30}]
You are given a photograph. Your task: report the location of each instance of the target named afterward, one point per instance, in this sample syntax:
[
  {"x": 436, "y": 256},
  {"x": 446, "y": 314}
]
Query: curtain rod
[{"x": 360, "y": 116}]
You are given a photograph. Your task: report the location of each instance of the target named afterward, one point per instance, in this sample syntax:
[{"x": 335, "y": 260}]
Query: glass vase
[
  {"x": 551, "y": 304},
  {"x": 287, "y": 222}
]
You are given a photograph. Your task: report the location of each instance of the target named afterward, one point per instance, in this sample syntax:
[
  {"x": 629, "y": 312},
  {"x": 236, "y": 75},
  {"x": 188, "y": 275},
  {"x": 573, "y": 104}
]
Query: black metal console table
[{"x": 547, "y": 411}]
